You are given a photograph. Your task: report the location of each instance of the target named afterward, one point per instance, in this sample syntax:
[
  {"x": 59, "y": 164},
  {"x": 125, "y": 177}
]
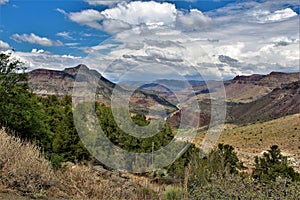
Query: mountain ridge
[{"x": 45, "y": 82}]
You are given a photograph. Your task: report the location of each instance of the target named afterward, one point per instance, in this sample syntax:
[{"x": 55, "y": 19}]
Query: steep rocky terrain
[
  {"x": 53, "y": 82},
  {"x": 250, "y": 88},
  {"x": 251, "y": 98},
  {"x": 282, "y": 101}
]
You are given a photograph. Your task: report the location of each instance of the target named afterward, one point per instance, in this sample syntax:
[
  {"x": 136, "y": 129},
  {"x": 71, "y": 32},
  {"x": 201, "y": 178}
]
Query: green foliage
[
  {"x": 220, "y": 162},
  {"x": 140, "y": 119},
  {"x": 216, "y": 176},
  {"x": 272, "y": 165},
  {"x": 126, "y": 141},
  {"x": 19, "y": 109},
  {"x": 234, "y": 186},
  {"x": 66, "y": 143},
  {"x": 12, "y": 74},
  {"x": 173, "y": 193},
  {"x": 177, "y": 169},
  {"x": 224, "y": 160}
]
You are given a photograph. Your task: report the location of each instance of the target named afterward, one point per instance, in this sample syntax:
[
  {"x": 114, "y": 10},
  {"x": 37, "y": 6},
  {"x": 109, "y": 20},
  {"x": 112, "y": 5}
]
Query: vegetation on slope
[
  {"x": 49, "y": 123},
  {"x": 252, "y": 140}
]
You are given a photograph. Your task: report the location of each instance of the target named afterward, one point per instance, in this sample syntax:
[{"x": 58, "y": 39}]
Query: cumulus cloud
[
  {"x": 243, "y": 37},
  {"x": 193, "y": 20},
  {"x": 4, "y": 45},
  {"x": 115, "y": 26},
  {"x": 137, "y": 12},
  {"x": 128, "y": 15},
  {"x": 34, "y": 39},
  {"x": 88, "y": 17},
  {"x": 265, "y": 16},
  {"x": 43, "y": 59}
]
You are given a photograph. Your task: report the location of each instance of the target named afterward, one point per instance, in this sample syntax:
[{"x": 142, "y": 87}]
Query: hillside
[
  {"x": 284, "y": 100},
  {"x": 263, "y": 103},
  {"x": 241, "y": 89},
  {"x": 252, "y": 140},
  {"x": 249, "y": 88},
  {"x": 53, "y": 82}
]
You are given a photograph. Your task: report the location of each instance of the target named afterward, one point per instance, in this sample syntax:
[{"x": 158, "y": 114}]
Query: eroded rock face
[
  {"x": 274, "y": 79},
  {"x": 53, "y": 82}
]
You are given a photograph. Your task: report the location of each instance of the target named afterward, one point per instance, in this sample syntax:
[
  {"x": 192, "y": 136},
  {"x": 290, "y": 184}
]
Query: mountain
[
  {"x": 250, "y": 88},
  {"x": 282, "y": 101},
  {"x": 250, "y": 98},
  {"x": 46, "y": 82},
  {"x": 253, "y": 139}
]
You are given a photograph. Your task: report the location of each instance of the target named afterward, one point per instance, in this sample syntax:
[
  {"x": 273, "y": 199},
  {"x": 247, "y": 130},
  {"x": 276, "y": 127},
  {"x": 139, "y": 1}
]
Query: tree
[
  {"x": 19, "y": 109},
  {"x": 220, "y": 162},
  {"x": 272, "y": 165},
  {"x": 12, "y": 74},
  {"x": 66, "y": 143},
  {"x": 225, "y": 157}
]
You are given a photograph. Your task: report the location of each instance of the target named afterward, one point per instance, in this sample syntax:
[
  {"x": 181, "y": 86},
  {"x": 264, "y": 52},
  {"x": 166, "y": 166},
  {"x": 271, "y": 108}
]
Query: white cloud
[
  {"x": 151, "y": 34},
  {"x": 103, "y": 2},
  {"x": 125, "y": 16},
  {"x": 264, "y": 16},
  {"x": 128, "y": 15},
  {"x": 193, "y": 20},
  {"x": 37, "y": 51},
  {"x": 236, "y": 33},
  {"x": 72, "y": 44},
  {"x": 34, "y": 39},
  {"x": 61, "y": 11},
  {"x": 4, "y": 45},
  {"x": 43, "y": 59},
  {"x": 88, "y": 17},
  {"x": 137, "y": 12},
  {"x": 65, "y": 35},
  {"x": 115, "y": 26},
  {"x": 3, "y": 1}
]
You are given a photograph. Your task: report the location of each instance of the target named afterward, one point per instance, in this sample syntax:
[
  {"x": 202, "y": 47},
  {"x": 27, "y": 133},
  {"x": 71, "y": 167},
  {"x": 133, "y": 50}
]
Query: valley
[{"x": 262, "y": 110}]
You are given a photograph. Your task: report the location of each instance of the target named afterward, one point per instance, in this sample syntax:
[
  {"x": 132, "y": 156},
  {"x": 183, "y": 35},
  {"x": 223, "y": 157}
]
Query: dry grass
[
  {"x": 22, "y": 167},
  {"x": 252, "y": 140},
  {"x": 83, "y": 182}
]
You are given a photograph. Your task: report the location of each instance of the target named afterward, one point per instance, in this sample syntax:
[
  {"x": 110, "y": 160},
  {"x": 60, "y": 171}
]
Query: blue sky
[
  {"x": 214, "y": 37},
  {"x": 42, "y": 18}
]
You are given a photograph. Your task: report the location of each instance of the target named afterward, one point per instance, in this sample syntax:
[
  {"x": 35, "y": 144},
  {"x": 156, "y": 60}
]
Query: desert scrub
[
  {"x": 78, "y": 181},
  {"x": 22, "y": 166},
  {"x": 173, "y": 193}
]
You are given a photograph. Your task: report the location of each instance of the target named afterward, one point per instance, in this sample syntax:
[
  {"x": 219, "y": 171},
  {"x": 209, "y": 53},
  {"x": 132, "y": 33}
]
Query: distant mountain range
[{"x": 249, "y": 98}]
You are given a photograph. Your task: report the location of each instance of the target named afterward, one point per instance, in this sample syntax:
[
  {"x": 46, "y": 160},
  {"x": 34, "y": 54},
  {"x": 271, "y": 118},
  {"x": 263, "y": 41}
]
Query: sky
[{"x": 145, "y": 40}]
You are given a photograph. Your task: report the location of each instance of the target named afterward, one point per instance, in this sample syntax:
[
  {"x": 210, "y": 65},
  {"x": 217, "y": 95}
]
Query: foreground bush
[
  {"x": 219, "y": 176},
  {"x": 22, "y": 167},
  {"x": 236, "y": 187}
]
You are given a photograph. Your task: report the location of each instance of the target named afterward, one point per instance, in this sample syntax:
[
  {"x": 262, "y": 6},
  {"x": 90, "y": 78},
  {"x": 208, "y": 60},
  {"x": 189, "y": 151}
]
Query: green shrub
[{"x": 173, "y": 193}]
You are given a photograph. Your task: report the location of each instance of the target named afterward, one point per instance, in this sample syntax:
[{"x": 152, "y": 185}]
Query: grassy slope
[{"x": 251, "y": 140}]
